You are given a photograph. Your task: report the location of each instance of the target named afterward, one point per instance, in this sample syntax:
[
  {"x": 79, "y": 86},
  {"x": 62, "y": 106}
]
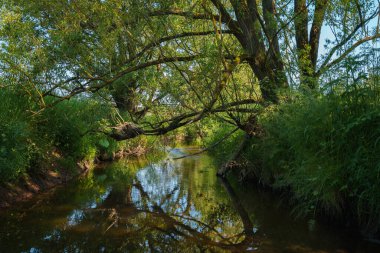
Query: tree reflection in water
[
  {"x": 167, "y": 210},
  {"x": 169, "y": 206}
]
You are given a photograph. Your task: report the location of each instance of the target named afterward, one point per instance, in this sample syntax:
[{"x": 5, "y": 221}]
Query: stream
[{"x": 166, "y": 205}]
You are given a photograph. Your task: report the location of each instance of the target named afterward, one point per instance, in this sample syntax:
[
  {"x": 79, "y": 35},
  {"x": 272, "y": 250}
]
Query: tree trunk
[
  {"x": 271, "y": 78},
  {"x": 225, "y": 168},
  {"x": 308, "y": 44},
  {"x": 266, "y": 62}
]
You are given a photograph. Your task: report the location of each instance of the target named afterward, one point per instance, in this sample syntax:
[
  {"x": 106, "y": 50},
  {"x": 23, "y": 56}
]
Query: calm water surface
[{"x": 166, "y": 206}]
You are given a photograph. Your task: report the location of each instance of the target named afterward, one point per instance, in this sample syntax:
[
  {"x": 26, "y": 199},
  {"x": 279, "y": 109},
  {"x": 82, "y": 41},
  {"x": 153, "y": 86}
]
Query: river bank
[
  {"x": 322, "y": 151},
  {"x": 29, "y": 186}
]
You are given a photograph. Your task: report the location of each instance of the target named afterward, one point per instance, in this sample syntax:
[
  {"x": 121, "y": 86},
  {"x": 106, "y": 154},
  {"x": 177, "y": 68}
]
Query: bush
[
  {"x": 28, "y": 140},
  {"x": 72, "y": 125},
  {"x": 16, "y": 134}
]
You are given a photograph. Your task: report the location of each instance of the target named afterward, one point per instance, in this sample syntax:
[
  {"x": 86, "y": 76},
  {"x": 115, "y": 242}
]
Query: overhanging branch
[{"x": 129, "y": 130}]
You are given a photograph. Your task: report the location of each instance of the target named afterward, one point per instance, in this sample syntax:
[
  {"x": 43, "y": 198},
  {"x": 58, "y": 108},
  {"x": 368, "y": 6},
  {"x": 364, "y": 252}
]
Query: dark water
[{"x": 166, "y": 206}]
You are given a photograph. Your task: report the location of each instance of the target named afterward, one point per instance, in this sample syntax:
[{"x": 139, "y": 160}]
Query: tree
[{"x": 179, "y": 60}]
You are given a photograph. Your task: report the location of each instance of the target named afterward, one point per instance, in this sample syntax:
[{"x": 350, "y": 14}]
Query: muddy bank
[{"x": 30, "y": 185}]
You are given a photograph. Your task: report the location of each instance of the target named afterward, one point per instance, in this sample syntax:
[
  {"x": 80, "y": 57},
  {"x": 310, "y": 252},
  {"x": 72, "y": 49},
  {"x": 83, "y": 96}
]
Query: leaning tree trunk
[
  {"x": 251, "y": 129},
  {"x": 231, "y": 162}
]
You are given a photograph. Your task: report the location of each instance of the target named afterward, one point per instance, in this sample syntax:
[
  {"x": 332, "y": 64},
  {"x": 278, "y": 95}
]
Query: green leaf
[{"x": 104, "y": 143}]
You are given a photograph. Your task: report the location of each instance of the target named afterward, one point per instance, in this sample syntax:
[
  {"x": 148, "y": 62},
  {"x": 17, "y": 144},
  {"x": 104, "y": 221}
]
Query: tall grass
[{"x": 325, "y": 149}]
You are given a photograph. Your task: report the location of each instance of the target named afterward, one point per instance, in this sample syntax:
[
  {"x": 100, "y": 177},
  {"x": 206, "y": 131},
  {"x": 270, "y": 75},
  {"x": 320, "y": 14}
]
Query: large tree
[{"x": 180, "y": 60}]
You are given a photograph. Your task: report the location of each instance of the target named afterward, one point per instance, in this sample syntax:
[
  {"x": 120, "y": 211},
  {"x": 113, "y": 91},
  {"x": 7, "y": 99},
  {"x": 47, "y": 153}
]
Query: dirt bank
[{"x": 30, "y": 185}]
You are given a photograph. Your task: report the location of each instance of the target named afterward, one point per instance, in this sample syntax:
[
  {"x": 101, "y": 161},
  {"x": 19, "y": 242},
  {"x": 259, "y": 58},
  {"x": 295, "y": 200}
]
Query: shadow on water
[{"x": 165, "y": 206}]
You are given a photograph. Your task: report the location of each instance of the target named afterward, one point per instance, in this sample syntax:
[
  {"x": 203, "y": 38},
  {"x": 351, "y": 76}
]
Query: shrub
[
  {"x": 17, "y": 139},
  {"x": 27, "y": 140},
  {"x": 72, "y": 127}
]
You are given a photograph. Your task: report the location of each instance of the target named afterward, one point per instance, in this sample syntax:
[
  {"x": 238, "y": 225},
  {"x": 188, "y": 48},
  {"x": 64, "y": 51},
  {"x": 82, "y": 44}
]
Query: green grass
[{"x": 324, "y": 150}]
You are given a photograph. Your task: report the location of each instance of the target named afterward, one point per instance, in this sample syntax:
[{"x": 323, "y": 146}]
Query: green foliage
[
  {"x": 72, "y": 127},
  {"x": 214, "y": 133},
  {"x": 28, "y": 141},
  {"x": 15, "y": 134},
  {"x": 166, "y": 71},
  {"x": 325, "y": 149}
]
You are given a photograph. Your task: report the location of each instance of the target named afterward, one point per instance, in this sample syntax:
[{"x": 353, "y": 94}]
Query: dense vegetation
[
  {"x": 320, "y": 149},
  {"x": 323, "y": 150},
  {"x": 56, "y": 138},
  {"x": 294, "y": 84}
]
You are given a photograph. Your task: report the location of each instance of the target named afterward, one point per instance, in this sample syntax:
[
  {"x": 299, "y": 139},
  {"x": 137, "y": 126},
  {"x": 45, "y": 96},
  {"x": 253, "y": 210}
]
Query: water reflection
[
  {"x": 166, "y": 206},
  {"x": 169, "y": 206}
]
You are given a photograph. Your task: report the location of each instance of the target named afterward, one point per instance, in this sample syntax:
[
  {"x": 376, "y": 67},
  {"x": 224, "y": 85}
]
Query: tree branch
[
  {"x": 129, "y": 131},
  {"x": 186, "y": 14},
  {"x": 352, "y": 48},
  {"x": 173, "y": 37},
  {"x": 325, "y": 63},
  {"x": 225, "y": 16}
]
